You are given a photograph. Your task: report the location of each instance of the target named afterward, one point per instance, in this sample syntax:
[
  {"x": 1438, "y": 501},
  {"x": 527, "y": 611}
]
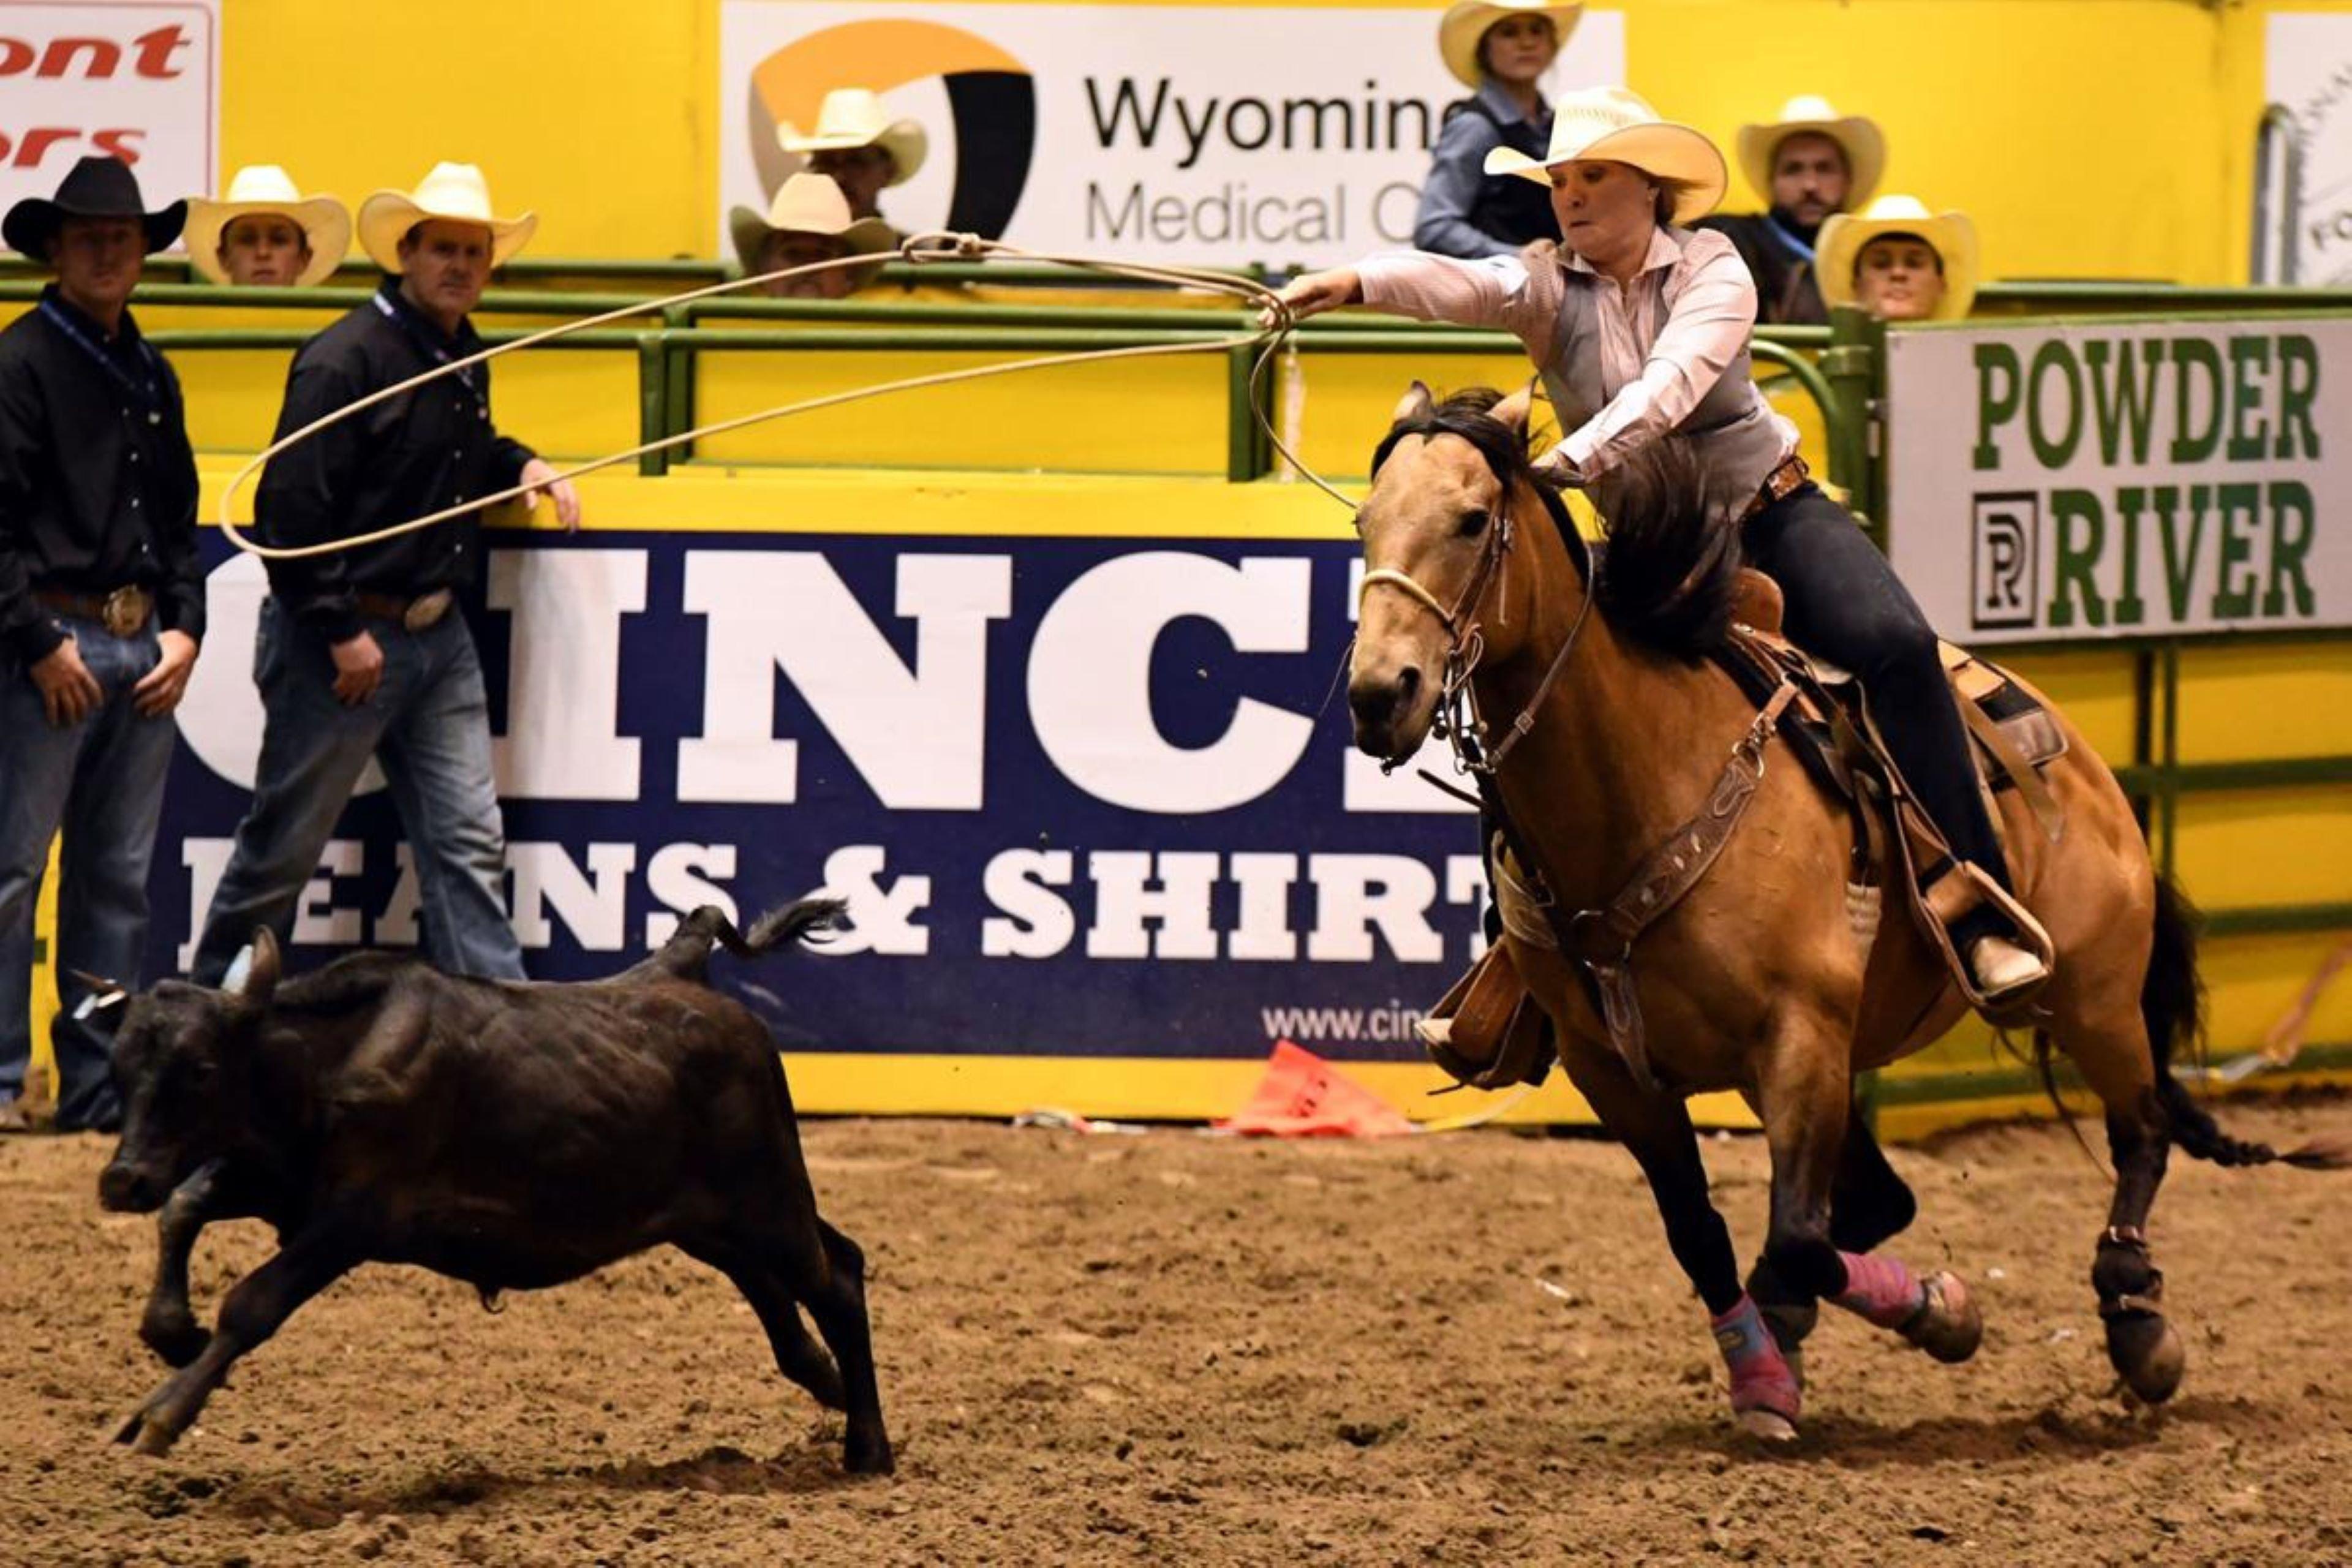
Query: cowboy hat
[
  {"x": 265, "y": 188},
  {"x": 810, "y": 203},
  {"x": 1949, "y": 235},
  {"x": 1464, "y": 27},
  {"x": 93, "y": 187},
  {"x": 454, "y": 191},
  {"x": 1618, "y": 124},
  {"x": 853, "y": 117},
  {"x": 1858, "y": 138}
]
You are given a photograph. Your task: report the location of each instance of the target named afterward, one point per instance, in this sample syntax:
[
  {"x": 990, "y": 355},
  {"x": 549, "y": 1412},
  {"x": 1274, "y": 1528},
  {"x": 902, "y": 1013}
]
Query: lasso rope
[{"x": 1276, "y": 323}]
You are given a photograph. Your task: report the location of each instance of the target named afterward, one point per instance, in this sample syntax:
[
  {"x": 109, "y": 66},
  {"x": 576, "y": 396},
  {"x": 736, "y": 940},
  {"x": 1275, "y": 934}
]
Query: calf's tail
[
  {"x": 2172, "y": 1006},
  {"x": 803, "y": 921}
]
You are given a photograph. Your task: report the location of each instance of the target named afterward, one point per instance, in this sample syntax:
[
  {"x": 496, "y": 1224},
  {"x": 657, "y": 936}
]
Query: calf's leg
[
  {"x": 832, "y": 1286},
  {"x": 798, "y": 1356},
  {"x": 168, "y": 1325},
  {"x": 254, "y": 1309}
]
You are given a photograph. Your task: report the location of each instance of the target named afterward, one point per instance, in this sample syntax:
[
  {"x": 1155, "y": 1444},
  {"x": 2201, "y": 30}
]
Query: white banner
[
  {"x": 2308, "y": 72},
  {"x": 2092, "y": 480},
  {"x": 136, "y": 81},
  {"x": 1180, "y": 133}
]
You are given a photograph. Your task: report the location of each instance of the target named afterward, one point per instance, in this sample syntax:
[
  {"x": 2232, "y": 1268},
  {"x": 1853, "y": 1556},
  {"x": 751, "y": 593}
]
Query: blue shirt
[{"x": 1456, "y": 170}]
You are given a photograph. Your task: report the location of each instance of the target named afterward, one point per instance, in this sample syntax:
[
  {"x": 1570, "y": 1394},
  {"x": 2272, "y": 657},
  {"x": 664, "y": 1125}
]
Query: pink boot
[{"x": 1765, "y": 1401}]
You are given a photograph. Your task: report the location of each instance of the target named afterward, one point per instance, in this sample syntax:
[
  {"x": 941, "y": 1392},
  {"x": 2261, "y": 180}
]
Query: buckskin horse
[{"x": 1607, "y": 735}]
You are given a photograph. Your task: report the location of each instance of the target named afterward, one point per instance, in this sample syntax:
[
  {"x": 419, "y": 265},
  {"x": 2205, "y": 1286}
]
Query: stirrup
[{"x": 2003, "y": 969}]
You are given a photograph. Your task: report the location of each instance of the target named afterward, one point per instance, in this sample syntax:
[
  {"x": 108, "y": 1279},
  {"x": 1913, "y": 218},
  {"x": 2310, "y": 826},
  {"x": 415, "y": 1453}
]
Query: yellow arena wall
[{"x": 2077, "y": 135}]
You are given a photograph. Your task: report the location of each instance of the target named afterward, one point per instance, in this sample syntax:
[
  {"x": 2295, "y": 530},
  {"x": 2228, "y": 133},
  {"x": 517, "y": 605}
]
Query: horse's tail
[{"x": 2172, "y": 1004}]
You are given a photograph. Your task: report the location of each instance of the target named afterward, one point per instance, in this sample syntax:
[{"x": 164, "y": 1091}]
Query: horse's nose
[{"x": 1377, "y": 700}]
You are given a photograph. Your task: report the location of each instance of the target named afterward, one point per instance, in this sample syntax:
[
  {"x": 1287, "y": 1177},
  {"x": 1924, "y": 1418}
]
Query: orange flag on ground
[{"x": 1302, "y": 1096}]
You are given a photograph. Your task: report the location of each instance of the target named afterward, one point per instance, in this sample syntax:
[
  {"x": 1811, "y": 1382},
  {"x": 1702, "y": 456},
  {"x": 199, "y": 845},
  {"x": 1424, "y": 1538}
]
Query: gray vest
[{"x": 1732, "y": 430}]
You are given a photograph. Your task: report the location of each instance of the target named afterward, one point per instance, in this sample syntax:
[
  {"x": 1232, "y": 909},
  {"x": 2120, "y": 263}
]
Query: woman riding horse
[{"x": 1640, "y": 328}]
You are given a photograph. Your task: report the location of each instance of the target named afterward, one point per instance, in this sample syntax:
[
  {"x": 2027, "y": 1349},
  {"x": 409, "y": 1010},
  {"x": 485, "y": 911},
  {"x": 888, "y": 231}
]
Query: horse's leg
[
  {"x": 1806, "y": 1094},
  {"x": 2102, "y": 1021},
  {"x": 1656, "y": 1131},
  {"x": 1869, "y": 1205}
]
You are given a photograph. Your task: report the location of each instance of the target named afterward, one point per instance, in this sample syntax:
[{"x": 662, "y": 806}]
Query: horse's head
[{"x": 1437, "y": 526}]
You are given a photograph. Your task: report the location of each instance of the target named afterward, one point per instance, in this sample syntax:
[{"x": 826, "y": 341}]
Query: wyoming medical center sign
[
  {"x": 1189, "y": 134},
  {"x": 2094, "y": 480}
]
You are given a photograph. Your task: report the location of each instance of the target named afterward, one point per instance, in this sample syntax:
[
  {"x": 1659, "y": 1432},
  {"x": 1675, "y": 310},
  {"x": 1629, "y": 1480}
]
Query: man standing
[
  {"x": 857, "y": 143},
  {"x": 101, "y": 609},
  {"x": 1812, "y": 162},
  {"x": 360, "y": 652}
]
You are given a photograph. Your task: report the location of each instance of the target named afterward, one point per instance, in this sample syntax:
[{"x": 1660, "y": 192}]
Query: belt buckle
[
  {"x": 126, "y": 611},
  {"x": 426, "y": 610}
]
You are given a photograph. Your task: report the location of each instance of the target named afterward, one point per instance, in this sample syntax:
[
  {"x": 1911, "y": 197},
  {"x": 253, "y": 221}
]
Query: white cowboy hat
[
  {"x": 1950, "y": 234},
  {"x": 1464, "y": 24},
  {"x": 454, "y": 191},
  {"x": 1618, "y": 124},
  {"x": 1860, "y": 139},
  {"x": 810, "y": 203},
  {"x": 853, "y": 117},
  {"x": 266, "y": 188}
]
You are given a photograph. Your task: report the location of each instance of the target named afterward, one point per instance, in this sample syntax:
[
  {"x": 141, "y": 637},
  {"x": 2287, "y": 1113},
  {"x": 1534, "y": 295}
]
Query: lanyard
[
  {"x": 424, "y": 345},
  {"x": 147, "y": 390},
  {"x": 1789, "y": 241}
]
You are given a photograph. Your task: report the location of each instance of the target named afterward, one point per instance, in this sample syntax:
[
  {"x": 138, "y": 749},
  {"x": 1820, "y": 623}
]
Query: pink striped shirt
[{"x": 1655, "y": 371}]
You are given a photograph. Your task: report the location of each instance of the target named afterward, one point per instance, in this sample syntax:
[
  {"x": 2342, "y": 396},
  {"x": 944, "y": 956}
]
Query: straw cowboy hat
[
  {"x": 93, "y": 187},
  {"x": 1950, "y": 234},
  {"x": 1618, "y": 124},
  {"x": 810, "y": 203},
  {"x": 1864, "y": 146},
  {"x": 853, "y": 117},
  {"x": 265, "y": 188},
  {"x": 1464, "y": 24},
  {"x": 454, "y": 191}
]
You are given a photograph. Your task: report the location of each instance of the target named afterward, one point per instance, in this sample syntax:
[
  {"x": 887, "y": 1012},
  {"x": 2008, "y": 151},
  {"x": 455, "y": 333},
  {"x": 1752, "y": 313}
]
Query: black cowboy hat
[{"x": 93, "y": 187}]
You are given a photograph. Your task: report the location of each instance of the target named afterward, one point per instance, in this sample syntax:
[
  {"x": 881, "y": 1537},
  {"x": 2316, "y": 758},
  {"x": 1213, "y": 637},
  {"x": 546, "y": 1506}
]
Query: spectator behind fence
[
  {"x": 359, "y": 655},
  {"x": 809, "y": 221},
  {"x": 1501, "y": 48},
  {"x": 1810, "y": 164},
  {"x": 266, "y": 231},
  {"x": 101, "y": 610},
  {"x": 1901, "y": 262},
  {"x": 857, "y": 143}
]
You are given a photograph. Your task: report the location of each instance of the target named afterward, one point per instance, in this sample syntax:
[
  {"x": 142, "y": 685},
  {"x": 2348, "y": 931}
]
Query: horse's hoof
[
  {"x": 1948, "y": 1326},
  {"x": 2149, "y": 1353},
  {"x": 1765, "y": 1426},
  {"x": 864, "y": 1456}
]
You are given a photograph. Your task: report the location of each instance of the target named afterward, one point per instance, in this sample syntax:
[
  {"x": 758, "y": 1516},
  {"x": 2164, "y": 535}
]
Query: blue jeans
[
  {"x": 102, "y": 781},
  {"x": 428, "y": 723}
]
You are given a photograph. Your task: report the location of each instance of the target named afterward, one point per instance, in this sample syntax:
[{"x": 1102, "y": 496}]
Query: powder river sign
[{"x": 2099, "y": 479}]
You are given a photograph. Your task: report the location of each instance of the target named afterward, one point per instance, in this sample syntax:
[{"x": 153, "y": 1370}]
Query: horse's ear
[
  {"x": 1414, "y": 406},
  {"x": 1513, "y": 411}
]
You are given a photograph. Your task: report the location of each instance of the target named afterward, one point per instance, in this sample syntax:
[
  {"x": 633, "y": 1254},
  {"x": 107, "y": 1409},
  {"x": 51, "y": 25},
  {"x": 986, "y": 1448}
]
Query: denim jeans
[
  {"x": 102, "y": 781},
  {"x": 1844, "y": 603},
  {"x": 428, "y": 723}
]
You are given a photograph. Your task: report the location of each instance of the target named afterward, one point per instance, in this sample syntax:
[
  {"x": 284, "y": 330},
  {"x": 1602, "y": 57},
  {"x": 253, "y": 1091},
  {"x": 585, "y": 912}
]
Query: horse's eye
[{"x": 1472, "y": 524}]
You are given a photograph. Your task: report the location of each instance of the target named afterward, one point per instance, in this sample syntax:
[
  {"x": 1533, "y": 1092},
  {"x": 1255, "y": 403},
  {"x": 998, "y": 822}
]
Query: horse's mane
[{"x": 1667, "y": 577}]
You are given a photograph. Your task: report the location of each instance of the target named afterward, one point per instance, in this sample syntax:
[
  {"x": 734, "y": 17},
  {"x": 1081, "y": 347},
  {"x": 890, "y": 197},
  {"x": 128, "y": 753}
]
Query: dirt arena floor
[{"x": 1170, "y": 1348}]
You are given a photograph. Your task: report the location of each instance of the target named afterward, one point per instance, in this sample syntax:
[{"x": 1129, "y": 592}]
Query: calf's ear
[{"x": 253, "y": 976}]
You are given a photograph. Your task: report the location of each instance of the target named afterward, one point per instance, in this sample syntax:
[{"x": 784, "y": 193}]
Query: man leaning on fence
[
  {"x": 362, "y": 652},
  {"x": 101, "y": 609}
]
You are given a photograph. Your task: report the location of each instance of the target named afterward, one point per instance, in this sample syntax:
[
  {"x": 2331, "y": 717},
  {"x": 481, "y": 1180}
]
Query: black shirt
[
  {"x": 97, "y": 486},
  {"x": 1779, "y": 257},
  {"x": 403, "y": 458}
]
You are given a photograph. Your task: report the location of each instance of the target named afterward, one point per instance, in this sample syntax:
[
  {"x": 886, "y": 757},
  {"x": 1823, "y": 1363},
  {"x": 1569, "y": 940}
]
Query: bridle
[{"x": 1458, "y": 721}]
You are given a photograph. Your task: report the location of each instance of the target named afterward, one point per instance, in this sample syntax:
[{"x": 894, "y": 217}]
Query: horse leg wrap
[
  {"x": 1761, "y": 1378},
  {"x": 1880, "y": 1290}
]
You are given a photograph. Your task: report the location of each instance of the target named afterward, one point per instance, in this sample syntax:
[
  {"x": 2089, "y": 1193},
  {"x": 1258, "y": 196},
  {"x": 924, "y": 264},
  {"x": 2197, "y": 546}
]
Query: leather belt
[
  {"x": 417, "y": 614},
  {"x": 1779, "y": 485},
  {"x": 124, "y": 611}
]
